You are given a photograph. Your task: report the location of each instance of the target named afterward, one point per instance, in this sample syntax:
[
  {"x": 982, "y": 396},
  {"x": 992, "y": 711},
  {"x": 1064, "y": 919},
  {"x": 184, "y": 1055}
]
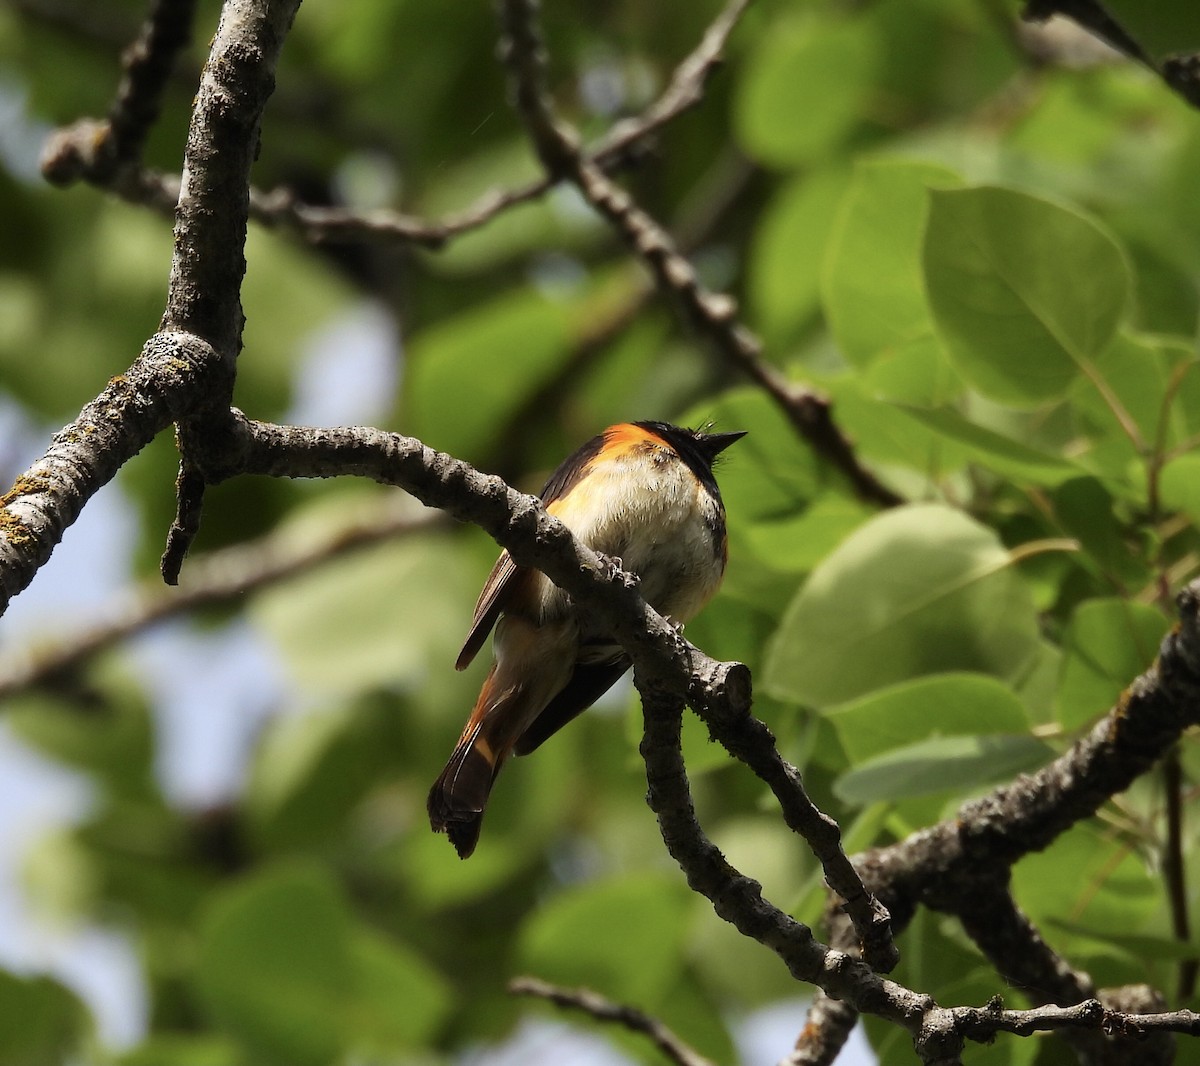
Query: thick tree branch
[
  {"x": 738, "y": 899},
  {"x": 186, "y": 370},
  {"x": 204, "y": 292},
  {"x": 825, "y": 1032},
  {"x": 210, "y": 224},
  {"x": 961, "y": 866},
  {"x": 720, "y": 692},
  {"x": 83, "y": 456},
  {"x": 937, "y": 865}
]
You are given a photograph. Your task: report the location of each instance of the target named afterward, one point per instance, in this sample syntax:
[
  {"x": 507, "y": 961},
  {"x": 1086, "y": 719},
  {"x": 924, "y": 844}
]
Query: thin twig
[
  {"x": 713, "y": 315},
  {"x": 216, "y": 578},
  {"x": 605, "y": 1010},
  {"x": 1174, "y": 868},
  {"x": 105, "y": 153}
]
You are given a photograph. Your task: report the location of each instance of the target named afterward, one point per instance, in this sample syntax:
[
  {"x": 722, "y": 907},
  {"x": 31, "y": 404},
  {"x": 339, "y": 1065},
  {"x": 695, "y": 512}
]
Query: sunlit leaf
[
  {"x": 786, "y": 112},
  {"x": 938, "y": 706},
  {"x": 1108, "y": 643},
  {"x": 571, "y": 939},
  {"x": 942, "y": 764},
  {"x": 1025, "y": 293},
  {"x": 919, "y": 590},
  {"x": 871, "y": 281}
]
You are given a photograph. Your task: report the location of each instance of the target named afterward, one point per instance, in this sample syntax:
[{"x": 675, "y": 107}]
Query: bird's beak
[{"x": 716, "y": 443}]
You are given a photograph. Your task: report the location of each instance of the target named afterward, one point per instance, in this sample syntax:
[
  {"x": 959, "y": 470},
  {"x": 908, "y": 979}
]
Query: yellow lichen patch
[
  {"x": 25, "y": 485},
  {"x": 13, "y": 529}
]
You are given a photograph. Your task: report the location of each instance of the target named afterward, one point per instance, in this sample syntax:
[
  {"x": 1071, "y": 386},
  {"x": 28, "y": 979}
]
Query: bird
[{"x": 642, "y": 493}]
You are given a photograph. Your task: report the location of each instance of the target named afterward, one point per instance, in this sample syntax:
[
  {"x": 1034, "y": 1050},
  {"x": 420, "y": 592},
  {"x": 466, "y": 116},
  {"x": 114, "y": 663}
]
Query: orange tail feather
[{"x": 459, "y": 795}]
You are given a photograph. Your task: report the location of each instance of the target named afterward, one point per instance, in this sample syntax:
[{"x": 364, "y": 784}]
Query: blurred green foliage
[{"x": 989, "y": 264}]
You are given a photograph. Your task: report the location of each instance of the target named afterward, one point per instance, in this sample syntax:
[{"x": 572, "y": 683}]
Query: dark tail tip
[
  {"x": 459, "y": 796},
  {"x": 465, "y": 835}
]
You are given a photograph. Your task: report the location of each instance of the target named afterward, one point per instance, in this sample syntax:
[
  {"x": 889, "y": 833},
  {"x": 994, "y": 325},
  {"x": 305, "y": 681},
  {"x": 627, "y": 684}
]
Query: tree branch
[
  {"x": 961, "y": 866},
  {"x": 605, "y": 1010},
  {"x": 217, "y": 578},
  {"x": 825, "y": 1032},
  {"x": 204, "y": 291},
  {"x": 83, "y": 456},
  {"x": 186, "y": 370},
  {"x": 109, "y": 152},
  {"x": 713, "y": 315}
]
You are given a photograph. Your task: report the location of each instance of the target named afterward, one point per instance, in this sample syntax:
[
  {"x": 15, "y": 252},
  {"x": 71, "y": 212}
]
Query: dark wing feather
[
  {"x": 504, "y": 577},
  {"x": 506, "y": 574},
  {"x": 589, "y": 682}
]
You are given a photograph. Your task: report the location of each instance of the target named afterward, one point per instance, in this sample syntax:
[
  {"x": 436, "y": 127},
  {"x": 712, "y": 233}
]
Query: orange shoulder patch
[{"x": 627, "y": 437}]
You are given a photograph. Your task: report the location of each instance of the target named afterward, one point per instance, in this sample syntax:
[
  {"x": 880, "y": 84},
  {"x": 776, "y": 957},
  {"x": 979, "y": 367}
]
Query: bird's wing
[
  {"x": 589, "y": 682},
  {"x": 501, "y": 582}
]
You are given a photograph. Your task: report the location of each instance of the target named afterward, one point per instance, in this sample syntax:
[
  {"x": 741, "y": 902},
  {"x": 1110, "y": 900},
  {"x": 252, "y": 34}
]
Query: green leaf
[
  {"x": 941, "y": 705},
  {"x": 1110, "y": 885},
  {"x": 883, "y": 432},
  {"x": 771, "y": 474},
  {"x": 402, "y": 999},
  {"x": 1108, "y": 643},
  {"x": 1179, "y": 485},
  {"x": 183, "y": 1049},
  {"x": 283, "y": 967},
  {"x": 275, "y": 965},
  {"x": 805, "y": 89},
  {"x": 486, "y": 361},
  {"x": 871, "y": 281},
  {"x": 789, "y": 245},
  {"x": 41, "y": 1023},
  {"x": 916, "y": 372},
  {"x": 115, "y": 742},
  {"x": 438, "y": 878},
  {"x": 625, "y": 932},
  {"x": 918, "y": 590},
  {"x": 1024, "y": 292},
  {"x": 308, "y": 774},
  {"x": 798, "y": 543},
  {"x": 1138, "y": 948},
  {"x": 380, "y": 617},
  {"x": 1086, "y": 511},
  {"x": 1127, "y": 392},
  {"x": 1007, "y": 457},
  {"x": 941, "y": 764}
]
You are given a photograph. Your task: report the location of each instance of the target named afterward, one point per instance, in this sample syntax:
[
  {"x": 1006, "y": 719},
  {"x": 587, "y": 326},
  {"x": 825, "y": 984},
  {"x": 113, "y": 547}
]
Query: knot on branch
[
  {"x": 939, "y": 1041},
  {"x": 83, "y": 150}
]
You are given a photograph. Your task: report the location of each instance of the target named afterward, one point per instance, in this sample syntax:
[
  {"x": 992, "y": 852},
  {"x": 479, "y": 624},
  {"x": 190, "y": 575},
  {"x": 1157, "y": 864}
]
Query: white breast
[{"x": 658, "y": 520}]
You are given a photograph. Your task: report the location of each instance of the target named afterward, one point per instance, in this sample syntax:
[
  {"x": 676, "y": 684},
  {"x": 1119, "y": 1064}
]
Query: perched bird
[{"x": 642, "y": 492}]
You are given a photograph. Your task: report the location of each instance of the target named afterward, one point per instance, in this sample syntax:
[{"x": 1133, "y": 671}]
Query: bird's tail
[{"x": 459, "y": 795}]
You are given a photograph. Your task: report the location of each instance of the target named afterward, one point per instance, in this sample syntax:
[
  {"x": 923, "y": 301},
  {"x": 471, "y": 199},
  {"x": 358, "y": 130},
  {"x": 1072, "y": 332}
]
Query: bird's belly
[{"x": 667, "y": 529}]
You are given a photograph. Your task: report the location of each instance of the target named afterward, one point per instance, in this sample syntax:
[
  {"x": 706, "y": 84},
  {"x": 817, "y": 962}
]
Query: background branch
[
  {"x": 713, "y": 315},
  {"x": 605, "y": 1010},
  {"x": 216, "y": 578}
]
